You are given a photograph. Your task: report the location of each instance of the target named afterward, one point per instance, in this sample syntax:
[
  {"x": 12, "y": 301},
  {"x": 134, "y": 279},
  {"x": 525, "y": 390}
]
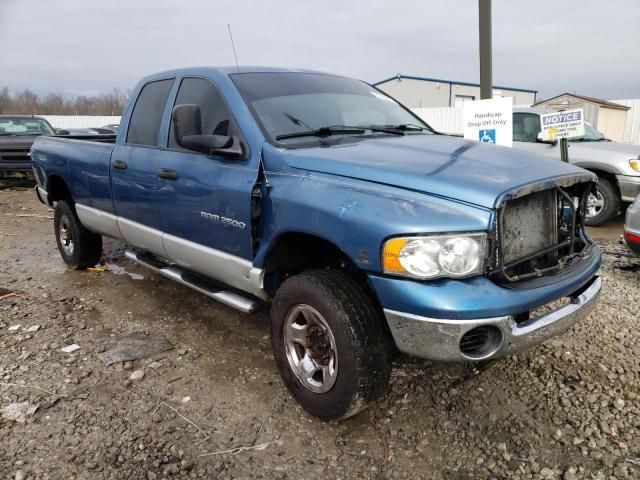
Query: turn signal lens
[{"x": 635, "y": 164}]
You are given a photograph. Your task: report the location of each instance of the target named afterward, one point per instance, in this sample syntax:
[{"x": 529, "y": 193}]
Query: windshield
[
  {"x": 590, "y": 134},
  {"x": 24, "y": 126},
  {"x": 289, "y": 103}
]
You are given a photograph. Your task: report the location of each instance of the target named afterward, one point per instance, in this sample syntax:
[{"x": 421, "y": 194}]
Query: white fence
[
  {"x": 449, "y": 119},
  {"x": 443, "y": 119},
  {"x": 80, "y": 121}
]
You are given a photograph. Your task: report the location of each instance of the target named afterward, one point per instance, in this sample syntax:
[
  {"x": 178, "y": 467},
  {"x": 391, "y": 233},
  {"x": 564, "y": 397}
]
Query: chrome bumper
[
  {"x": 439, "y": 339},
  {"x": 629, "y": 187}
]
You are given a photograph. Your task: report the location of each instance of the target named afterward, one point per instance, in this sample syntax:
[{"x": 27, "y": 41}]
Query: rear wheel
[
  {"x": 329, "y": 343},
  {"x": 78, "y": 247},
  {"x": 603, "y": 203}
]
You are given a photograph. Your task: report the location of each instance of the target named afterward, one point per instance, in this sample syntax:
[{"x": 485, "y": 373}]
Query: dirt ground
[{"x": 214, "y": 406}]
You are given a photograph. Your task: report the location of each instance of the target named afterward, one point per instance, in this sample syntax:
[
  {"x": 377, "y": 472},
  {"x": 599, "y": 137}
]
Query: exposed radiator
[{"x": 529, "y": 225}]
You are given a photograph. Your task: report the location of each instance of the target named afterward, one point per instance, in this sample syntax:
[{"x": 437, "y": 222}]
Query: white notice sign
[
  {"x": 489, "y": 121},
  {"x": 566, "y": 124}
]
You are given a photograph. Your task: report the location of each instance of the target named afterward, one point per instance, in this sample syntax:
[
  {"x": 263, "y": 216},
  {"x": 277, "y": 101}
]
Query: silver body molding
[
  {"x": 629, "y": 187},
  {"x": 98, "y": 221},
  {"x": 42, "y": 195},
  {"x": 439, "y": 339},
  {"x": 215, "y": 264}
]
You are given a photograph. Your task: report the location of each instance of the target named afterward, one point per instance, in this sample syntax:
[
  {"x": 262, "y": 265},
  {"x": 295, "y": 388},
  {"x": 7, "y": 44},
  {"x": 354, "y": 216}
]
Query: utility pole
[{"x": 486, "y": 70}]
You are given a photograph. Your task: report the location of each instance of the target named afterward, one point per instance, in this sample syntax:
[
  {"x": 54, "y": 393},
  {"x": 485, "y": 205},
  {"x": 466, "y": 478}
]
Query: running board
[{"x": 234, "y": 300}]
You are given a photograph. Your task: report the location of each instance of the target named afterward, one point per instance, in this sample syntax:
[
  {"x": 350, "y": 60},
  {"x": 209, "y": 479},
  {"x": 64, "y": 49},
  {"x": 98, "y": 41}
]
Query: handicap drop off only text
[{"x": 487, "y": 119}]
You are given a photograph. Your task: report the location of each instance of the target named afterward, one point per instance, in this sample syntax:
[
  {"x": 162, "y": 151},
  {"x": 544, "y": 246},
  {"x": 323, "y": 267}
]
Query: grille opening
[
  {"x": 540, "y": 232},
  {"x": 481, "y": 342}
]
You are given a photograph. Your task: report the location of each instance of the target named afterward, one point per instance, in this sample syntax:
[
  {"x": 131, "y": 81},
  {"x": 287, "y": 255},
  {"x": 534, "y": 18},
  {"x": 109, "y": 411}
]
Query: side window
[
  {"x": 526, "y": 127},
  {"x": 215, "y": 117},
  {"x": 147, "y": 113}
]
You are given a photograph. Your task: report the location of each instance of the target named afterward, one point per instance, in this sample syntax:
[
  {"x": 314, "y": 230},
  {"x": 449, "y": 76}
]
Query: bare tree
[{"x": 27, "y": 102}]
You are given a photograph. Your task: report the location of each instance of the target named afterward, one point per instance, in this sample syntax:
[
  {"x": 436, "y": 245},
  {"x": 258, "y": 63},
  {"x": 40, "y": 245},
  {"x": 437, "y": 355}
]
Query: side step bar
[{"x": 234, "y": 300}]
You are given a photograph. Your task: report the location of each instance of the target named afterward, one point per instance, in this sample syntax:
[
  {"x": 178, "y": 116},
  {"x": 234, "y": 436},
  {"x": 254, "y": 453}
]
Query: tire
[
  {"x": 78, "y": 247},
  {"x": 346, "y": 328},
  {"x": 606, "y": 202}
]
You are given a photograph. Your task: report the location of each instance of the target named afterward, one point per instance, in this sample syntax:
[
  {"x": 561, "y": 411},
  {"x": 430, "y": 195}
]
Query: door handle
[
  {"x": 168, "y": 174},
  {"x": 120, "y": 165}
]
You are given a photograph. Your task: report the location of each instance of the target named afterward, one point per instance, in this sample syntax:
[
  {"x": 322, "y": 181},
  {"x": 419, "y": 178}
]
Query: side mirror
[
  {"x": 61, "y": 131},
  {"x": 222, "y": 145},
  {"x": 187, "y": 129},
  {"x": 186, "y": 121},
  {"x": 541, "y": 139}
]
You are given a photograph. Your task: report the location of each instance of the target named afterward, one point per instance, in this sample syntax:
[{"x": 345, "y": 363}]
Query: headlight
[
  {"x": 455, "y": 255},
  {"x": 635, "y": 164}
]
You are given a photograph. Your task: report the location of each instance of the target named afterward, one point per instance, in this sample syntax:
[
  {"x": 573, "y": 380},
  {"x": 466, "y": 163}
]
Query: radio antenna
[{"x": 233, "y": 46}]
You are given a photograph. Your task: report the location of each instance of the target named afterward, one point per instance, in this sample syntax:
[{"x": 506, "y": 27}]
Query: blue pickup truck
[{"x": 366, "y": 230}]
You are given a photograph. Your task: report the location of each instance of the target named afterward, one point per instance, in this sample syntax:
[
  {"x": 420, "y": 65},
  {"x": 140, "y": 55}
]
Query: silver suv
[{"x": 616, "y": 164}]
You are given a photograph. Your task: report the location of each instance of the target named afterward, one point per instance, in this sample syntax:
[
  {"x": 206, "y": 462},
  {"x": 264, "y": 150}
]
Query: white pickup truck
[{"x": 616, "y": 164}]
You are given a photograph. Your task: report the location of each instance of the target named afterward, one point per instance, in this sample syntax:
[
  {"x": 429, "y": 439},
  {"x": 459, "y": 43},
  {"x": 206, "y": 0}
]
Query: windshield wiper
[
  {"x": 338, "y": 130},
  {"x": 321, "y": 132}
]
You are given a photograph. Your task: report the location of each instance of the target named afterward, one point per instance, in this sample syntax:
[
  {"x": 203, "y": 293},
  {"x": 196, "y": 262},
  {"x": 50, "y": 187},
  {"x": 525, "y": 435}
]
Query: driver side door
[{"x": 204, "y": 201}]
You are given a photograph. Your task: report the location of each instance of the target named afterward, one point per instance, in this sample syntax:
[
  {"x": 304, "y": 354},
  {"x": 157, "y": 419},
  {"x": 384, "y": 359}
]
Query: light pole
[{"x": 486, "y": 73}]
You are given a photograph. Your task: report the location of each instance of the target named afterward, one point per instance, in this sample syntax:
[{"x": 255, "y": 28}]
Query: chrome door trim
[{"x": 99, "y": 221}]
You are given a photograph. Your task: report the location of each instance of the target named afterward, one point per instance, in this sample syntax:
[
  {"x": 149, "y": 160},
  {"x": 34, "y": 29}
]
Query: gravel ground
[{"x": 214, "y": 405}]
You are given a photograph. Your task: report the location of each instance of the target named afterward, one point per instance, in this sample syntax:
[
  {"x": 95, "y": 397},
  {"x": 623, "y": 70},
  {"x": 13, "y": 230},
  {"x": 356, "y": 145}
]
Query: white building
[{"x": 422, "y": 92}]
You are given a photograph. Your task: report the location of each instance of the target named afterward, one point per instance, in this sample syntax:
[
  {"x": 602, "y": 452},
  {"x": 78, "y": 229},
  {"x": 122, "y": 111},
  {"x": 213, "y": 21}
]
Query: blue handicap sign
[{"x": 487, "y": 136}]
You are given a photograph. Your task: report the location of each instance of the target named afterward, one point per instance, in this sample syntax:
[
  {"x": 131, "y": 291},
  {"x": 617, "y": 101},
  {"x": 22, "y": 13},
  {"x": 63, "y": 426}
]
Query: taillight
[{"x": 631, "y": 237}]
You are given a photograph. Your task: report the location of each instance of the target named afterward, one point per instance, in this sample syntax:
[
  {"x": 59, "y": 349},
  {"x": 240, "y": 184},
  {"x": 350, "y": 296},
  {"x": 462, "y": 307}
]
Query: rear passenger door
[
  {"x": 205, "y": 205},
  {"x": 134, "y": 164}
]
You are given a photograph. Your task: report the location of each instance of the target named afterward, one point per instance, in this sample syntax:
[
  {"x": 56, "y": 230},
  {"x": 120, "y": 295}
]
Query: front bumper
[
  {"x": 16, "y": 170},
  {"x": 629, "y": 187},
  {"x": 440, "y": 339}
]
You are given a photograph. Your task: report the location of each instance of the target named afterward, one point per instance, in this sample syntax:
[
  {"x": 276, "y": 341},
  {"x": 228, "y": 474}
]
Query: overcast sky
[{"x": 590, "y": 47}]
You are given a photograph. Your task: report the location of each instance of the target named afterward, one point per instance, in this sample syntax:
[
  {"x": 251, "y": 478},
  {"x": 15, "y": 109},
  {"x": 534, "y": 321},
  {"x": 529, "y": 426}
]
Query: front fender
[{"x": 356, "y": 216}]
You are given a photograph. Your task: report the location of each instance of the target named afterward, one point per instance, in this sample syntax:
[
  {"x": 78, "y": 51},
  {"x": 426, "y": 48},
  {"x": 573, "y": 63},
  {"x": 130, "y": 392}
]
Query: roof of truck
[{"x": 229, "y": 70}]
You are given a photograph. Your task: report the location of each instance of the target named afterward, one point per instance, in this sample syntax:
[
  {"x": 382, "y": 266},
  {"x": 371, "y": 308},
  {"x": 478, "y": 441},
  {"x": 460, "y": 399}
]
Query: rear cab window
[
  {"x": 144, "y": 126},
  {"x": 526, "y": 127}
]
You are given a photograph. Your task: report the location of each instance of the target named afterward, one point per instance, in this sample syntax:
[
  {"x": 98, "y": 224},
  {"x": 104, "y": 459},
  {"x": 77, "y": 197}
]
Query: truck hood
[
  {"x": 627, "y": 149},
  {"x": 16, "y": 142},
  {"x": 440, "y": 165},
  {"x": 605, "y": 152}
]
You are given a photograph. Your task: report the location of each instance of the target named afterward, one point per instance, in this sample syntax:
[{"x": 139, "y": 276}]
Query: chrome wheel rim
[
  {"x": 595, "y": 204},
  {"x": 66, "y": 235},
  {"x": 311, "y": 348}
]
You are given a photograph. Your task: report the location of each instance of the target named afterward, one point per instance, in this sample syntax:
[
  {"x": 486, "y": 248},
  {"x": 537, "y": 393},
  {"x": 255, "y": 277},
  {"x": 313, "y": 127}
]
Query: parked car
[
  {"x": 632, "y": 226},
  {"x": 84, "y": 131},
  {"x": 365, "y": 229},
  {"x": 617, "y": 165},
  {"x": 113, "y": 127},
  {"x": 17, "y": 133}
]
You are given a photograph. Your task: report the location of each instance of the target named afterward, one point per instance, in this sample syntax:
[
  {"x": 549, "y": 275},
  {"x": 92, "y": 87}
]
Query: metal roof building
[{"x": 423, "y": 92}]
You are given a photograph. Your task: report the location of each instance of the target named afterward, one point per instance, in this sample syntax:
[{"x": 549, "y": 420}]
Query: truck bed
[{"x": 82, "y": 160}]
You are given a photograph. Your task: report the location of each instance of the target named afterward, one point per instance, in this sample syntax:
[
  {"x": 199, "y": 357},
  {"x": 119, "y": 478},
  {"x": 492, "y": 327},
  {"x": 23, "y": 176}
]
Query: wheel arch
[
  {"x": 293, "y": 252},
  {"x": 57, "y": 189}
]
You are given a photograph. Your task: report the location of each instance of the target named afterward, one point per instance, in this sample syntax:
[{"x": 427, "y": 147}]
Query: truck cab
[{"x": 366, "y": 231}]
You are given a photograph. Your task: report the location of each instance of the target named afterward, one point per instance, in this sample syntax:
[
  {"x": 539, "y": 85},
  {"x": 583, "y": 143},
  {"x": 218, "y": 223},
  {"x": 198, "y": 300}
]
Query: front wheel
[
  {"x": 329, "y": 343},
  {"x": 79, "y": 248},
  {"x": 603, "y": 203}
]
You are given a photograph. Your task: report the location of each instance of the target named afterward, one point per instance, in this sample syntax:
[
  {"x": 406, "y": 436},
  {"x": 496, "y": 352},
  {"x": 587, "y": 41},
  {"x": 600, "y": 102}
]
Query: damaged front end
[{"x": 539, "y": 230}]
